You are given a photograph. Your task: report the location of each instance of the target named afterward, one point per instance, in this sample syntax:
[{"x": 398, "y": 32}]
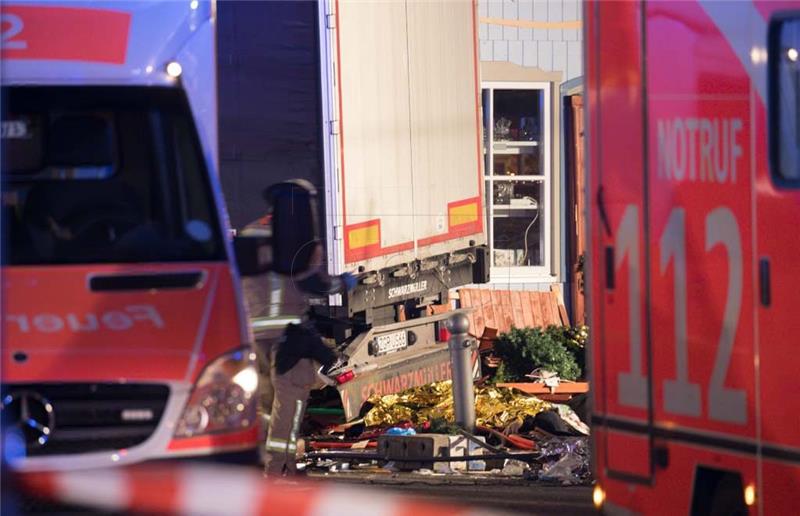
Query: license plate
[{"x": 391, "y": 342}]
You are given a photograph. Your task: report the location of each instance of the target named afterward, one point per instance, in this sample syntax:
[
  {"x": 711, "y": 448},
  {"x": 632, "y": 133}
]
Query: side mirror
[
  {"x": 294, "y": 225},
  {"x": 253, "y": 254}
]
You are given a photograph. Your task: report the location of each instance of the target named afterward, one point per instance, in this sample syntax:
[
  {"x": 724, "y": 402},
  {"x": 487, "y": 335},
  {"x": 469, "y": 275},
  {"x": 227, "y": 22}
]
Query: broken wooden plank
[
  {"x": 564, "y": 315},
  {"x": 488, "y": 309},
  {"x": 546, "y": 307},
  {"x": 487, "y": 339},
  {"x": 508, "y": 311},
  {"x": 553, "y": 299},
  {"x": 540, "y": 388},
  {"x": 465, "y": 299},
  {"x": 516, "y": 308},
  {"x": 536, "y": 305},
  {"x": 561, "y": 310},
  {"x": 497, "y": 305},
  {"x": 527, "y": 310}
]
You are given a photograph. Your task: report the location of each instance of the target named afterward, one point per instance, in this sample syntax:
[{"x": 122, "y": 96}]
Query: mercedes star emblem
[{"x": 32, "y": 413}]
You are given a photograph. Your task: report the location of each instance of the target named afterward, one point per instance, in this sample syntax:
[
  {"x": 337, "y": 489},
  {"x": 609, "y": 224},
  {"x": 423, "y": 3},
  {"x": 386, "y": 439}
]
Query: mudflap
[{"x": 390, "y": 379}]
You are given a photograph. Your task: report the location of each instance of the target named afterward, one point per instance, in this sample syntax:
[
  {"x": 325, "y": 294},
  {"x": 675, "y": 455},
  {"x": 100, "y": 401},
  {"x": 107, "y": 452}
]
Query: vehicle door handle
[
  {"x": 764, "y": 286},
  {"x": 610, "y": 266},
  {"x": 601, "y": 208},
  {"x": 146, "y": 281}
]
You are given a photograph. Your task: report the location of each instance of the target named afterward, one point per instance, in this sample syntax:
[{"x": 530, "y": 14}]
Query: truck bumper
[{"x": 391, "y": 378}]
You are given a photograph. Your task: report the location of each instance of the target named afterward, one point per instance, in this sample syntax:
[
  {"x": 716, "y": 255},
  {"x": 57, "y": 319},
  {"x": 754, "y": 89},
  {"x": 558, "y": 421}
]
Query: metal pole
[{"x": 463, "y": 391}]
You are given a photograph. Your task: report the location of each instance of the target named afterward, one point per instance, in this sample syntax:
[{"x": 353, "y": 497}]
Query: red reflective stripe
[
  {"x": 325, "y": 445},
  {"x": 43, "y": 483},
  {"x": 159, "y": 489},
  {"x": 461, "y": 230},
  {"x": 275, "y": 499},
  {"x": 153, "y": 490},
  {"x": 245, "y": 437},
  {"x": 413, "y": 508},
  {"x": 65, "y": 34}
]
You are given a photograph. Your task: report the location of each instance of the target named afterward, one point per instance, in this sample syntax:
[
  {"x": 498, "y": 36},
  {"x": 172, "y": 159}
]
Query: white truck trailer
[{"x": 378, "y": 105}]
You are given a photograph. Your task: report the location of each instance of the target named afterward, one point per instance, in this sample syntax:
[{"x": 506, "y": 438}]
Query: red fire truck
[{"x": 693, "y": 139}]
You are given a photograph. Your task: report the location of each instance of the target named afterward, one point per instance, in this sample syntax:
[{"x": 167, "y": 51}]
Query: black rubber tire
[{"x": 728, "y": 498}]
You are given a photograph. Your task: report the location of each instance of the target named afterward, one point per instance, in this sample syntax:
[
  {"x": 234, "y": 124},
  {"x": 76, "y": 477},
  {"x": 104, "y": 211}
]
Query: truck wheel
[
  {"x": 728, "y": 499},
  {"x": 718, "y": 493}
]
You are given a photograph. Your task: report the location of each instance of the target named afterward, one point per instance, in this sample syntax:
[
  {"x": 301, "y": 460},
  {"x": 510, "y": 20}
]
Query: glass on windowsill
[
  {"x": 502, "y": 130},
  {"x": 518, "y": 194},
  {"x": 518, "y": 220},
  {"x": 518, "y": 242},
  {"x": 518, "y": 114},
  {"x": 522, "y": 164}
]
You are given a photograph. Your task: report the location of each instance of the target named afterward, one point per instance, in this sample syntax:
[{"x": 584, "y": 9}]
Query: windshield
[{"x": 103, "y": 175}]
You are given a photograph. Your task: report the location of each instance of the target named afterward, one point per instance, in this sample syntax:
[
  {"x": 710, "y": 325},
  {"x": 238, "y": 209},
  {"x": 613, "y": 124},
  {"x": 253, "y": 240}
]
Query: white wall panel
[
  {"x": 487, "y": 51},
  {"x": 540, "y": 14},
  {"x": 555, "y": 13},
  {"x": 574, "y": 59},
  {"x": 560, "y": 56},
  {"x": 546, "y": 55},
  {"x": 530, "y": 54},
  {"x": 571, "y": 8},
  {"x": 501, "y": 50},
  {"x": 495, "y": 10},
  {"x": 539, "y": 25},
  {"x": 525, "y": 13},
  {"x": 515, "y": 52},
  {"x": 510, "y": 13}
]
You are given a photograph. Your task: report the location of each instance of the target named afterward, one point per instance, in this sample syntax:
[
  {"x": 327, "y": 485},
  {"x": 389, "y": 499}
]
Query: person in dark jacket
[{"x": 293, "y": 359}]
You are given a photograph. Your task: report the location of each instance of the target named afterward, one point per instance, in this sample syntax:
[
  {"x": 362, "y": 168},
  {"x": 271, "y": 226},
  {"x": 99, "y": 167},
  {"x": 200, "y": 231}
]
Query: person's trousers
[
  {"x": 291, "y": 391},
  {"x": 266, "y": 392}
]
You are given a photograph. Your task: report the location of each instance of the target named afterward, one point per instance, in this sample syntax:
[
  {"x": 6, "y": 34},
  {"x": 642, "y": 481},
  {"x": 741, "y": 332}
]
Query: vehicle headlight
[{"x": 224, "y": 397}]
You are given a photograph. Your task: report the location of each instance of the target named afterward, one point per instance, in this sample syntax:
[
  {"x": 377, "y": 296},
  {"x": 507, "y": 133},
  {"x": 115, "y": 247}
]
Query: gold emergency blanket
[{"x": 495, "y": 407}]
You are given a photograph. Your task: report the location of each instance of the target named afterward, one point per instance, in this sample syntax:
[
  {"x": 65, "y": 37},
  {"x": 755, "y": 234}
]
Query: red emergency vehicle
[
  {"x": 123, "y": 336},
  {"x": 693, "y": 126}
]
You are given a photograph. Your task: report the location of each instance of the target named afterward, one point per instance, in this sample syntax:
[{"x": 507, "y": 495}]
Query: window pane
[
  {"x": 485, "y": 105},
  {"x": 487, "y": 129},
  {"x": 518, "y": 222},
  {"x": 518, "y": 115},
  {"x": 487, "y": 194},
  {"x": 104, "y": 175},
  {"x": 788, "y": 109},
  {"x": 526, "y": 163}
]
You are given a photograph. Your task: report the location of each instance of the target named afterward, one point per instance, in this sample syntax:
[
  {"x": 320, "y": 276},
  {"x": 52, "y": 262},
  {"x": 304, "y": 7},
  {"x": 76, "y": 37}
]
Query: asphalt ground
[
  {"x": 501, "y": 495},
  {"x": 479, "y": 491}
]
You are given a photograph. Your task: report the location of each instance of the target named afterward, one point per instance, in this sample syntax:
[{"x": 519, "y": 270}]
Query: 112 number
[{"x": 681, "y": 396}]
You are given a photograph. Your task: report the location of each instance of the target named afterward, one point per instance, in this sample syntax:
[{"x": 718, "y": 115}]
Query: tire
[{"x": 728, "y": 498}]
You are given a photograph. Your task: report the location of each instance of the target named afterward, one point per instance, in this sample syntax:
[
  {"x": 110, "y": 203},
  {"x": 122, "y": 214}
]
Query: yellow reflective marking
[
  {"x": 463, "y": 214},
  {"x": 363, "y": 237}
]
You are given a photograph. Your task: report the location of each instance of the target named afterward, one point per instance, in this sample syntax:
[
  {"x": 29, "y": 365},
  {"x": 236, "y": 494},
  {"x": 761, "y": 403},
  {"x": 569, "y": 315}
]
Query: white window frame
[{"x": 538, "y": 273}]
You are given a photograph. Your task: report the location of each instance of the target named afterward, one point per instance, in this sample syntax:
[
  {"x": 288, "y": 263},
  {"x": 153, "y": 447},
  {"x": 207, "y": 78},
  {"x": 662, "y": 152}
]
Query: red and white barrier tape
[{"x": 221, "y": 490}]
